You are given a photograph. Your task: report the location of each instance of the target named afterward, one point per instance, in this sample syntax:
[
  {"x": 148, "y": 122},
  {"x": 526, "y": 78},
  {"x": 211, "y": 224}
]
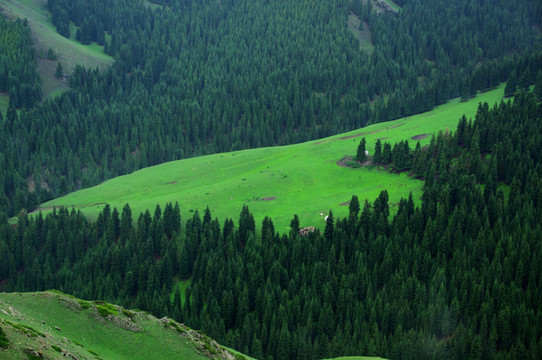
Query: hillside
[
  {"x": 69, "y": 51},
  {"x": 52, "y": 325},
  {"x": 301, "y": 179},
  {"x": 197, "y": 78}
]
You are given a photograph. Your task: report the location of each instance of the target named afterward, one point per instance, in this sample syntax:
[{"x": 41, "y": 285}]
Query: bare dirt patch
[
  {"x": 420, "y": 136},
  {"x": 360, "y": 134},
  {"x": 343, "y": 161},
  {"x": 352, "y": 136},
  {"x": 31, "y": 184},
  {"x": 268, "y": 198},
  {"x": 171, "y": 182},
  {"x": 345, "y": 203}
]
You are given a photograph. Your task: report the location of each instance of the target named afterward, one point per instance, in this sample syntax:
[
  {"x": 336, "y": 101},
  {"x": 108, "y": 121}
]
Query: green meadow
[
  {"x": 278, "y": 182},
  {"x": 392, "y": 4},
  {"x": 54, "y": 325},
  {"x": 70, "y": 52}
]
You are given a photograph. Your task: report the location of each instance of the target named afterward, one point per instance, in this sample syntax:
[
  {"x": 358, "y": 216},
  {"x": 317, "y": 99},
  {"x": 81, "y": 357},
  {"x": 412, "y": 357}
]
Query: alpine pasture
[{"x": 277, "y": 182}]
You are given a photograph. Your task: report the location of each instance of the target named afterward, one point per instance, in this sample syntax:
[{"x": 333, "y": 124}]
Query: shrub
[
  {"x": 4, "y": 342},
  {"x": 105, "y": 308},
  {"x": 56, "y": 348},
  {"x": 84, "y": 304},
  {"x": 353, "y": 164},
  {"x": 51, "y": 55},
  {"x": 128, "y": 313}
]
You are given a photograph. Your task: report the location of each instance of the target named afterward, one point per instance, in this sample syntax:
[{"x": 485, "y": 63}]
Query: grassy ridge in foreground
[
  {"x": 278, "y": 182},
  {"x": 55, "y": 325}
]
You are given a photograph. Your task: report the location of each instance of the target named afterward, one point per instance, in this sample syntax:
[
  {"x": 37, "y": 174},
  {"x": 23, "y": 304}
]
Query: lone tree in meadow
[
  {"x": 377, "y": 156},
  {"x": 59, "y": 73},
  {"x": 361, "y": 155}
]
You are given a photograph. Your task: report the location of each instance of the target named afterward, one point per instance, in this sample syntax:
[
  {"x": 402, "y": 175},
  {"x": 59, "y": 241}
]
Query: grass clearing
[
  {"x": 47, "y": 325},
  {"x": 181, "y": 286},
  {"x": 278, "y": 182},
  {"x": 361, "y": 31},
  {"x": 69, "y": 51},
  {"x": 392, "y": 4}
]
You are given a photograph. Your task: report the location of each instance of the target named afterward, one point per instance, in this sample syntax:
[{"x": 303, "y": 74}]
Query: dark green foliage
[
  {"x": 51, "y": 55},
  {"x": 4, "y": 341},
  {"x": 511, "y": 84},
  {"x": 106, "y": 309},
  {"x": 18, "y": 73},
  {"x": 360, "y": 154},
  {"x": 56, "y": 348},
  {"x": 58, "y": 72},
  {"x": 353, "y": 164},
  {"x": 377, "y": 156},
  {"x": 84, "y": 304},
  {"x": 538, "y": 86}
]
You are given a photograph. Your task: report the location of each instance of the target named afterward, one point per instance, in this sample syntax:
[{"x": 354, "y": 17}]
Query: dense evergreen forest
[
  {"x": 18, "y": 74},
  {"x": 198, "y": 77},
  {"x": 458, "y": 277}
]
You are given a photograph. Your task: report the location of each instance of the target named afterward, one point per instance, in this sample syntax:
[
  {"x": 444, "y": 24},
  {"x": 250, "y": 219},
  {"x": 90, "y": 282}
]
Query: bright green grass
[
  {"x": 180, "y": 285},
  {"x": 70, "y": 52},
  {"x": 303, "y": 178},
  {"x": 392, "y": 4},
  {"x": 238, "y": 353},
  {"x": 88, "y": 333}
]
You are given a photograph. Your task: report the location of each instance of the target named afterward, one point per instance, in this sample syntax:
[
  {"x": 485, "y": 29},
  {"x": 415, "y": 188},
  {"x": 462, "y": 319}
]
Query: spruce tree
[
  {"x": 58, "y": 72},
  {"x": 377, "y": 156},
  {"x": 511, "y": 84},
  {"x": 361, "y": 155}
]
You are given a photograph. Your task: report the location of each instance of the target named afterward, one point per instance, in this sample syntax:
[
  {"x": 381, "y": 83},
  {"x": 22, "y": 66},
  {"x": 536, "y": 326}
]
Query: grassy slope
[
  {"x": 363, "y": 35},
  {"x": 393, "y": 5},
  {"x": 84, "y": 333},
  {"x": 303, "y": 178},
  {"x": 70, "y": 52}
]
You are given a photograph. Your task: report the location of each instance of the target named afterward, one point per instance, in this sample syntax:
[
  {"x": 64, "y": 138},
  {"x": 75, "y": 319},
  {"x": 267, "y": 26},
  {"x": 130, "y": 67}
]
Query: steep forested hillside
[
  {"x": 458, "y": 277},
  {"x": 197, "y": 77},
  {"x": 18, "y": 74}
]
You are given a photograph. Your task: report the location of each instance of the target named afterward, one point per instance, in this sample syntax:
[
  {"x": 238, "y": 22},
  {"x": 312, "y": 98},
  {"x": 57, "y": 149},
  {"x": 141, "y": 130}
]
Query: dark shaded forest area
[
  {"x": 199, "y": 77},
  {"x": 458, "y": 277}
]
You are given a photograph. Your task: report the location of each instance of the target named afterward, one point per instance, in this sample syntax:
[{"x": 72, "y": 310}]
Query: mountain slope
[{"x": 53, "y": 325}]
